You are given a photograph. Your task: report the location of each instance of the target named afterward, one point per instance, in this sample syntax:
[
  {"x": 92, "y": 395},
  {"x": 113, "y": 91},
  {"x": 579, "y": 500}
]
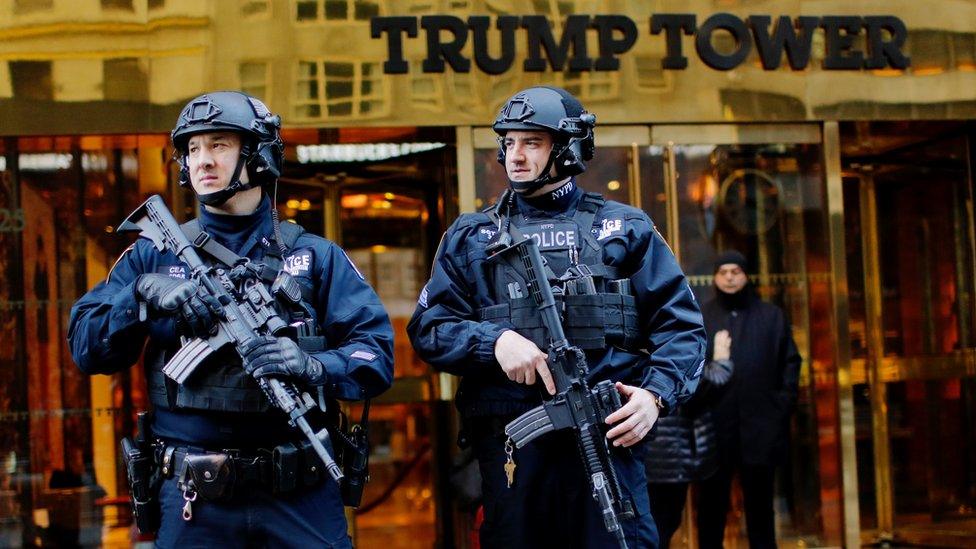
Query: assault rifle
[
  {"x": 575, "y": 406},
  {"x": 247, "y": 314}
]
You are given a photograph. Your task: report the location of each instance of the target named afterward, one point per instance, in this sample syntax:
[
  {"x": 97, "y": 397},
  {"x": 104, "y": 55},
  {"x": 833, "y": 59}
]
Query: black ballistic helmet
[
  {"x": 553, "y": 110},
  {"x": 261, "y": 146}
]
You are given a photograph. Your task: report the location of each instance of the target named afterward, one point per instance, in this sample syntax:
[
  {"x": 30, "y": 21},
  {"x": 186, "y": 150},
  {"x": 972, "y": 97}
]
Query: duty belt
[{"x": 219, "y": 475}]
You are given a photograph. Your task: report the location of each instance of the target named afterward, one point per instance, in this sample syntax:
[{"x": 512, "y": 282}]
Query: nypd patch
[{"x": 298, "y": 264}]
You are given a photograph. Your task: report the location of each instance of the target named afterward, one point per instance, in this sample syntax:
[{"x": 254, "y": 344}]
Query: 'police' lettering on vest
[
  {"x": 298, "y": 263},
  {"x": 549, "y": 236},
  {"x": 610, "y": 227}
]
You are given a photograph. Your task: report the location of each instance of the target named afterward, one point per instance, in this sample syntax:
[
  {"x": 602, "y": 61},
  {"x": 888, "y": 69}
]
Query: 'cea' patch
[
  {"x": 298, "y": 264},
  {"x": 174, "y": 271}
]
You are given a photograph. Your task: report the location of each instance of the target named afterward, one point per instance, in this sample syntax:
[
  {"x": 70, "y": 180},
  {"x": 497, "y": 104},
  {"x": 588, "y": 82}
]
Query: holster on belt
[{"x": 143, "y": 476}]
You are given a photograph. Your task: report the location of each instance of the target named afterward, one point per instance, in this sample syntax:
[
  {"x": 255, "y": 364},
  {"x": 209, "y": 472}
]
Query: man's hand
[
  {"x": 722, "y": 346},
  {"x": 635, "y": 417},
  {"x": 521, "y": 360},
  {"x": 169, "y": 296},
  {"x": 281, "y": 357}
]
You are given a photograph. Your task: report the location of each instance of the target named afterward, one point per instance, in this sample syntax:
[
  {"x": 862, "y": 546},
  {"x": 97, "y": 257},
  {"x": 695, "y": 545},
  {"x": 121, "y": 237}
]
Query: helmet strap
[
  {"x": 218, "y": 198},
  {"x": 545, "y": 178}
]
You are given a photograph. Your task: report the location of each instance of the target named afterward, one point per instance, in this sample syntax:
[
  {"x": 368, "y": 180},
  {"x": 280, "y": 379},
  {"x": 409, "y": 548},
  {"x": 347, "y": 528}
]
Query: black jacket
[{"x": 752, "y": 411}]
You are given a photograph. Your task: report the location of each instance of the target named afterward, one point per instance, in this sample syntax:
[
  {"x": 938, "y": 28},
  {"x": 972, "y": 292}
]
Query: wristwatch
[{"x": 658, "y": 401}]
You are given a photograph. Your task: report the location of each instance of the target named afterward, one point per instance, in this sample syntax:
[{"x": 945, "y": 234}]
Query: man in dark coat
[{"x": 752, "y": 413}]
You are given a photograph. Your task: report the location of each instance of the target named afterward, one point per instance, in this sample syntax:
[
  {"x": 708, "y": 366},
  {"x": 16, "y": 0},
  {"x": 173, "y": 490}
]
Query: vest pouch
[
  {"x": 285, "y": 467},
  {"x": 621, "y": 320},
  {"x": 524, "y": 317},
  {"x": 585, "y": 321}
]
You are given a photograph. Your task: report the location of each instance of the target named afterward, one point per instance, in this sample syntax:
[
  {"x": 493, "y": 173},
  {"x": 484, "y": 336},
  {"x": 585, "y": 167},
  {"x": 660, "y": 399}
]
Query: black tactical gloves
[
  {"x": 170, "y": 296},
  {"x": 280, "y": 356}
]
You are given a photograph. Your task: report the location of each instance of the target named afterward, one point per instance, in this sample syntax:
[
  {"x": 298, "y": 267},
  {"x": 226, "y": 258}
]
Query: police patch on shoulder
[
  {"x": 298, "y": 263},
  {"x": 353, "y": 265},
  {"x": 117, "y": 261},
  {"x": 363, "y": 355},
  {"x": 423, "y": 297},
  {"x": 609, "y": 227},
  {"x": 174, "y": 271}
]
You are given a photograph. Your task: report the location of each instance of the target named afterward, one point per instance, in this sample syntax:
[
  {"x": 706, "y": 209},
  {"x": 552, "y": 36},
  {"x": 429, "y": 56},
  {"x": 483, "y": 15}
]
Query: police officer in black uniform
[
  {"x": 638, "y": 324},
  {"x": 272, "y": 490}
]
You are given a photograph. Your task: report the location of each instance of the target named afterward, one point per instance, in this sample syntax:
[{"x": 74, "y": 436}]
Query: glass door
[
  {"x": 760, "y": 189},
  {"x": 910, "y": 269},
  {"x": 387, "y": 216}
]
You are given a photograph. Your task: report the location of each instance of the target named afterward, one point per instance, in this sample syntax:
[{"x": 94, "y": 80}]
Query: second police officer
[
  {"x": 230, "y": 152},
  {"x": 466, "y": 323}
]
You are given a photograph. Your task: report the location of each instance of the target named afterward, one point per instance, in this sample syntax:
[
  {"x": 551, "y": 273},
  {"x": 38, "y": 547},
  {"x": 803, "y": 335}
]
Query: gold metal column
[
  {"x": 840, "y": 321},
  {"x": 875, "y": 344},
  {"x": 634, "y": 189},
  {"x": 671, "y": 199}
]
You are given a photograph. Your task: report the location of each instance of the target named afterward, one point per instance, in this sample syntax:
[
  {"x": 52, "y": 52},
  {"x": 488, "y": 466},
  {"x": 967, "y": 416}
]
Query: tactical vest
[
  {"x": 594, "y": 317},
  {"x": 220, "y": 383}
]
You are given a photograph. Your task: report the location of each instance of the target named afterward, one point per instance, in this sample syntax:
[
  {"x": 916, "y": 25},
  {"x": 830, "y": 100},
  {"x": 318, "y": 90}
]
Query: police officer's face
[
  {"x": 526, "y": 154},
  {"x": 730, "y": 278},
  {"x": 211, "y": 160}
]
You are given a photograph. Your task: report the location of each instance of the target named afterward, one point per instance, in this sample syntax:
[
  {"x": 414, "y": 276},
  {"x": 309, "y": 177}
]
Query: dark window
[
  {"x": 336, "y": 9},
  {"x": 25, "y": 6},
  {"x": 125, "y": 80},
  {"x": 308, "y": 10},
  {"x": 32, "y": 80},
  {"x": 117, "y": 5},
  {"x": 366, "y": 10}
]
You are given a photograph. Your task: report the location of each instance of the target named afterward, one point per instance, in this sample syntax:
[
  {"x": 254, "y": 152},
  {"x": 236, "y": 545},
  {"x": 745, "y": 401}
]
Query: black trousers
[
  {"x": 667, "y": 508},
  {"x": 757, "y": 492},
  {"x": 550, "y": 502}
]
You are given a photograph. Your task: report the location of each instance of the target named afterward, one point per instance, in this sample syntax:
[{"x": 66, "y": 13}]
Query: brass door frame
[
  {"x": 880, "y": 436},
  {"x": 840, "y": 323},
  {"x": 877, "y": 370}
]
